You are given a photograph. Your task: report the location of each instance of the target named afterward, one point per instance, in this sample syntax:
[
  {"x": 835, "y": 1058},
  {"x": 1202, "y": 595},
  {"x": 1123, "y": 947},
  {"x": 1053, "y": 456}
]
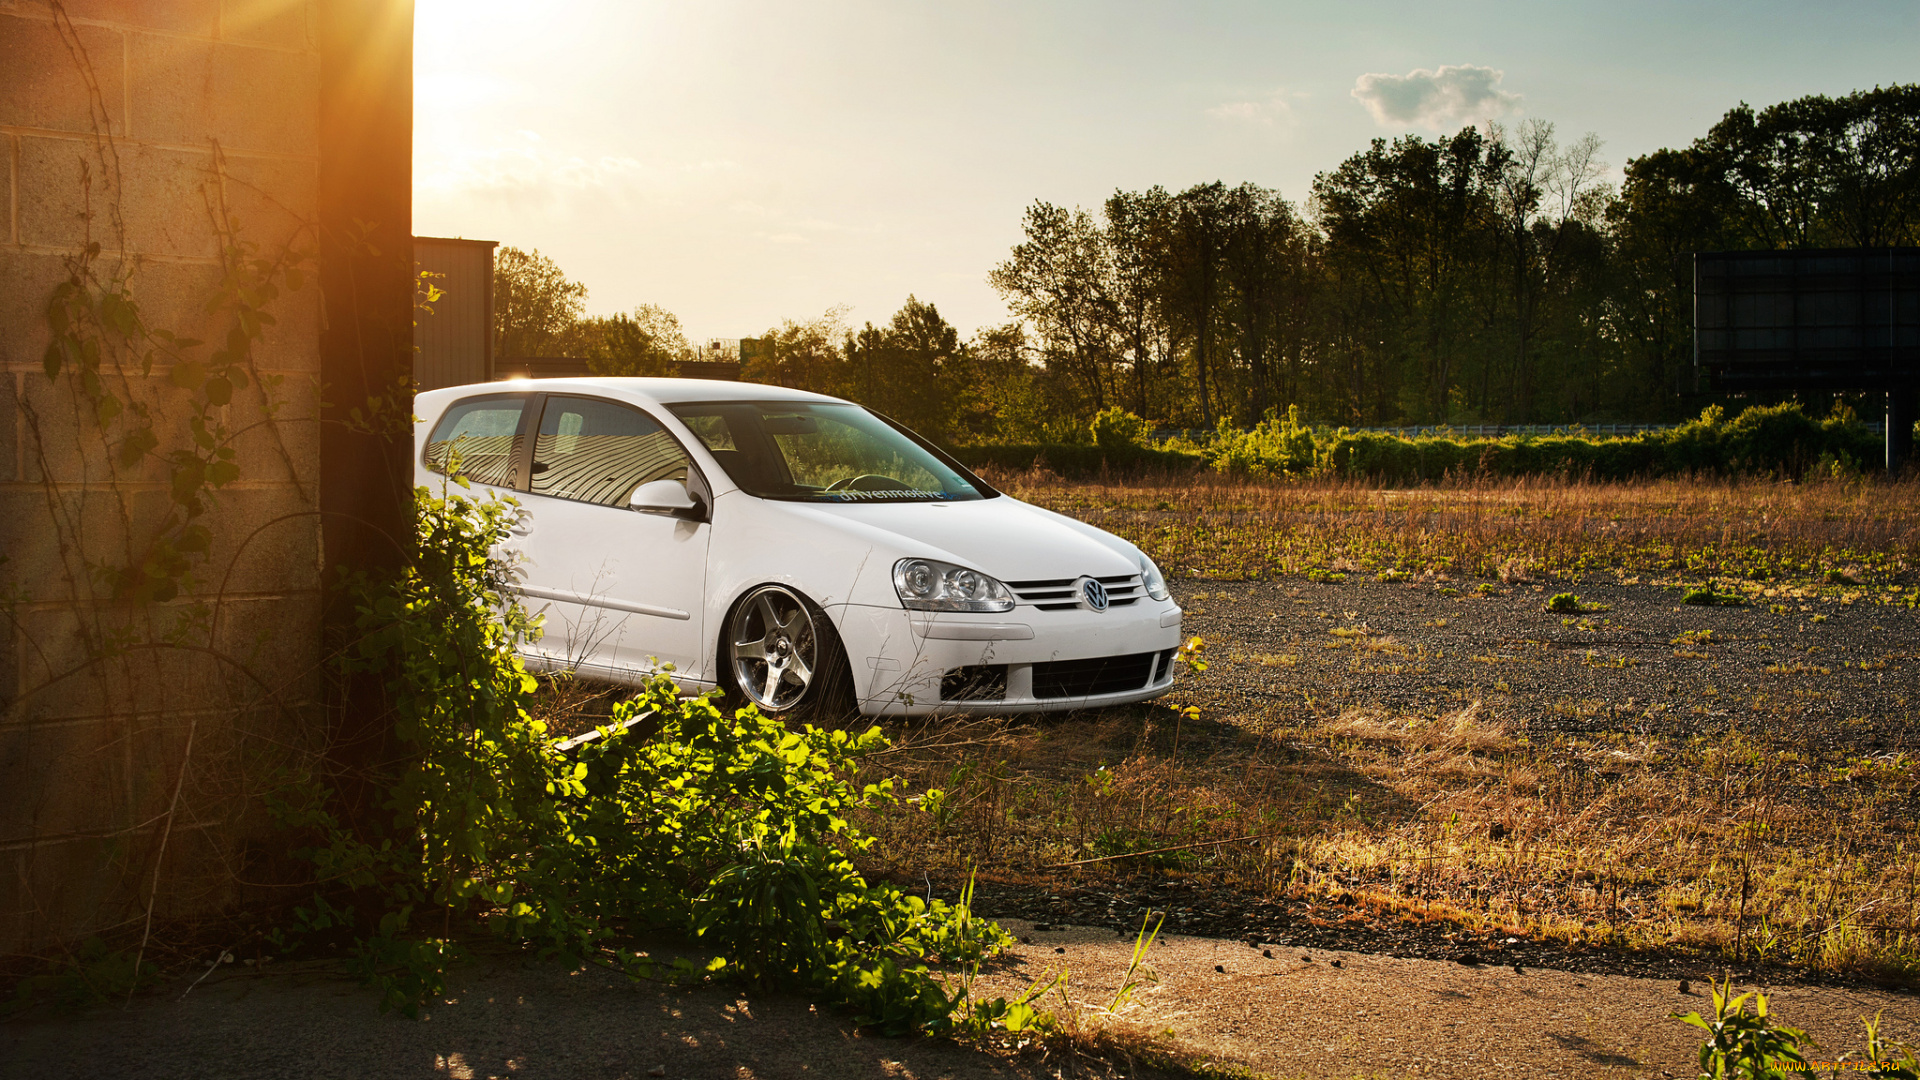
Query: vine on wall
[
  {"x": 122, "y": 624},
  {"x": 101, "y": 335}
]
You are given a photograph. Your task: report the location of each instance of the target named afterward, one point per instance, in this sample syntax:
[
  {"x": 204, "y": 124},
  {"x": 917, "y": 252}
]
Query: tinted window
[
  {"x": 820, "y": 452},
  {"x": 482, "y": 435},
  {"x": 598, "y": 452}
]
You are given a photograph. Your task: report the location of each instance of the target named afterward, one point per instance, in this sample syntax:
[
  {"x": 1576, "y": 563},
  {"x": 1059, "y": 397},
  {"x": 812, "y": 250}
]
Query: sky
[{"x": 745, "y": 163}]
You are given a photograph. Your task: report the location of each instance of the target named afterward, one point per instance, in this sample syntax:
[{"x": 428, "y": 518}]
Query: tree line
[{"x": 1489, "y": 276}]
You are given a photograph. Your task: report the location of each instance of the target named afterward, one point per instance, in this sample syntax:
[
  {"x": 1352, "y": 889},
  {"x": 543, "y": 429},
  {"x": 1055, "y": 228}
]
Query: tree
[
  {"x": 1131, "y": 303},
  {"x": 534, "y": 305},
  {"x": 1190, "y": 244},
  {"x": 648, "y": 342},
  {"x": 1820, "y": 171},
  {"x": 1543, "y": 196},
  {"x": 1268, "y": 307},
  {"x": 919, "y": 369},
  {"x": 1060, "y": 278},
  {"x": 801, "y": 355},
  {"x": 1007, "y": 396},
  {"x": 1407, "y": 242}
]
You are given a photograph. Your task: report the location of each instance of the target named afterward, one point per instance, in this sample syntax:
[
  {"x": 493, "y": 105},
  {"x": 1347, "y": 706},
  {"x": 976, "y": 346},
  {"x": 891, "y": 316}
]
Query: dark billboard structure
[{"x": 1818, "y": 319}]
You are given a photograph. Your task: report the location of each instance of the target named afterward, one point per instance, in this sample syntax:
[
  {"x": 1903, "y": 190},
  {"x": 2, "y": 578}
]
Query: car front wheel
[{"x": 782, "y": 653}]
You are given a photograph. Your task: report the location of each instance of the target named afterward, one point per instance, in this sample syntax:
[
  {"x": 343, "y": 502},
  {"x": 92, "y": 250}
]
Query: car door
[
  {"x": 623, "y": 589},
  {"x": 482, "y": 439}
]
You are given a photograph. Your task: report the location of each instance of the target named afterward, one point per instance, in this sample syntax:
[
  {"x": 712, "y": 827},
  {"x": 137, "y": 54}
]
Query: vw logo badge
[{"x": 1093, "y": 594}]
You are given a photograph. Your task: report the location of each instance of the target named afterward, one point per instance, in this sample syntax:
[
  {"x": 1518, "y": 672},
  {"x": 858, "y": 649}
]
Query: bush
[
  {"x": 1706, "y": 597},
  {"x": 723, "y": 827},
  {"x": 1117, "y": 429},
  {"x": 1744, "y": 1045},
  {"x": 1565, "y": 604}
]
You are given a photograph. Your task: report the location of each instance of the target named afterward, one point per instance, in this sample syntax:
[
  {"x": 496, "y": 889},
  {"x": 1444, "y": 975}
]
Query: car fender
[{"x": 833, "y": 565}]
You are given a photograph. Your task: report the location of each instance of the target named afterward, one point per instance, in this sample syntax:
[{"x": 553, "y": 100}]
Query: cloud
[
  {"x": 535, "y": 179},
  {"x": 1454, "y": 94},
  {"x": 1267, "y": 112}
]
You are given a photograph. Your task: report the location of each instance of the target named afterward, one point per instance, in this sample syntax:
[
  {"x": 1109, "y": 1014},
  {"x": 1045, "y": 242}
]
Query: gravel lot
[
  {"x": 1539, "y": 668},
  {"x": 1827, "y": 679}
]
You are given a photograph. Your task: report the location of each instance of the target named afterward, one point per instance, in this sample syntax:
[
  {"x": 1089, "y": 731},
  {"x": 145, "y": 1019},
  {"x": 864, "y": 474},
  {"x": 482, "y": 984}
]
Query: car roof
[{"x": 659, "y": 391}]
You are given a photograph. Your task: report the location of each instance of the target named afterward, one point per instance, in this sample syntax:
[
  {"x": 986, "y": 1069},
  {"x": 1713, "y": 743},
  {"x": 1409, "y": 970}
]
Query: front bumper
[{"x": 1022, "y": 661}]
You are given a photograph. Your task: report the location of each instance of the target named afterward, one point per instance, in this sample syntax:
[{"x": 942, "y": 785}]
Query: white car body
[{"x": 624, "y": 591}]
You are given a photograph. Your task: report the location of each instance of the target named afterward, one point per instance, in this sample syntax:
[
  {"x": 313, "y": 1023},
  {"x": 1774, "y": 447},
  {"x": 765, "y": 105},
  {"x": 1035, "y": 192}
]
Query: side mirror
[{"x": 666, "y": 497}]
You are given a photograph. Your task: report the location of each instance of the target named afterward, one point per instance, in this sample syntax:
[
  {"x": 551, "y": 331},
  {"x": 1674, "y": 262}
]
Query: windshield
[{"x": 820, "y": 453}]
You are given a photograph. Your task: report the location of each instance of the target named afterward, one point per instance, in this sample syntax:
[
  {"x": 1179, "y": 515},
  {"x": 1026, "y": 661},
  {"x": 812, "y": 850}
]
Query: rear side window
[
  {"x": 479, "y": 438},
  {"x": 598, "y": 452}
]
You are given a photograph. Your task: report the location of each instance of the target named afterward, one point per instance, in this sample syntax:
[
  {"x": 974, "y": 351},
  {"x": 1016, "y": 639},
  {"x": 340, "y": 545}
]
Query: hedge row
[{"x": 1779, "y": 440}]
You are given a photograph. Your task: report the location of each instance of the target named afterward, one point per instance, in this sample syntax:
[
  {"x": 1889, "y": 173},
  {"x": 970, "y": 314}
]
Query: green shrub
[
  {"x": 1274, "y": 448},
  {"x": 1744, "y": 1045},
  {"x": 1565, "y": 604},
  {"x": 721, "y": 826},
  {"x": 1706, "y": 597},
  {"x": 1117, "y": 429}
]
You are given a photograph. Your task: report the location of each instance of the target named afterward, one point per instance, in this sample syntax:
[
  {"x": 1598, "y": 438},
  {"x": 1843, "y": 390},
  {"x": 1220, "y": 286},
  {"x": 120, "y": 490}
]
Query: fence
[{"x": 1492, "y": 431}]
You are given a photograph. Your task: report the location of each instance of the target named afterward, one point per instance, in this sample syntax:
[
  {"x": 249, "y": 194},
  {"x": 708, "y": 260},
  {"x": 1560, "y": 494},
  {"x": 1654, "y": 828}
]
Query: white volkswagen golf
[{"x": 795, "y": 549}]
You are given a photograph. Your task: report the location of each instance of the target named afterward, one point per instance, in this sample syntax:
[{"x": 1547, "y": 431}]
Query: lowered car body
[{"x": 788, "y": 545}]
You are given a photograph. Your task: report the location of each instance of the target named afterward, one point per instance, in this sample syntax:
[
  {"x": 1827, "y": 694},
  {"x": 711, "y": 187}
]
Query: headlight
[
  {"x": 929, "y": 585},
  {"x": 1151, "y": 579}
]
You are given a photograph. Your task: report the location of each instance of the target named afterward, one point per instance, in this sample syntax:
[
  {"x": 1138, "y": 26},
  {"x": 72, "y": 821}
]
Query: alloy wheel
[{"x": 773, "y": 647}]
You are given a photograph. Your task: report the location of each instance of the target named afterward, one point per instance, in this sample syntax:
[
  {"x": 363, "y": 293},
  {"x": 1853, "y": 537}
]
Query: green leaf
[
  {"x": 188, "y": 374},
  {"x": 188, "y": 476},
  {"x": 219, "y": 391},
  {"x": 138, "y": 443}
]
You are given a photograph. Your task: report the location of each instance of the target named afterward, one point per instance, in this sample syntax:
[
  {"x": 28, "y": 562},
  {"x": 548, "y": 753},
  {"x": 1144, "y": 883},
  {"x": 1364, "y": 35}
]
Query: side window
[
  {"x": 598, "y": 452},
  {"x": 482, "y": 436}
]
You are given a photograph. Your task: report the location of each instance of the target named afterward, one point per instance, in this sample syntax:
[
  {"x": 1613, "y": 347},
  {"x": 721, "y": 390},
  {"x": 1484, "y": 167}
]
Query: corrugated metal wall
[{"x": 454, "y": 342}]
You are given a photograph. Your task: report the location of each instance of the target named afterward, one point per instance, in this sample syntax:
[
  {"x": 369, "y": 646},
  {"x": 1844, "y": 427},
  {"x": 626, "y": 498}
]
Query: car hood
[{"x": 1003, "y": 537}]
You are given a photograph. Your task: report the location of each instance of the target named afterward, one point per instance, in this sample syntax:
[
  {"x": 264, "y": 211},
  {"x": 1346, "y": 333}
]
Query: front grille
[
  {"x": 1057, "y": 594},
  {"x": 1163, "y": 665},
  {"x": 975, "y": 682},
  {"x": 1090, "y": 678}
]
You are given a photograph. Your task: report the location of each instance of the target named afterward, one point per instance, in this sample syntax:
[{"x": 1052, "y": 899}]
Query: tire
[{"x": 779, "y": 651}]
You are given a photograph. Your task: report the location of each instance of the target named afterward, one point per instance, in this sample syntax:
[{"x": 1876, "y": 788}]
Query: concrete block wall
[{"x": 128, "y": 728}]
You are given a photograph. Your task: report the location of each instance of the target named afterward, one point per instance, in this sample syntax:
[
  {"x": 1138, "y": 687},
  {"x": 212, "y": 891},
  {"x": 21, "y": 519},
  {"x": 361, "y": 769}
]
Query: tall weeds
[{"x": 1690, "y": 528}]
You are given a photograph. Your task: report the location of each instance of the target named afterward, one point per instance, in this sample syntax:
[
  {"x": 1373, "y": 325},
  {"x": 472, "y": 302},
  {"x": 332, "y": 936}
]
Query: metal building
[{"x": 453, "y": 343}]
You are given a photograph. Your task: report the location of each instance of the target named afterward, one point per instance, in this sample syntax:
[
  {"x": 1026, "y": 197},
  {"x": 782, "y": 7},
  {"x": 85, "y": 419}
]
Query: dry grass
[
  {"x": 1731, "y": 848},
  {"x": 1844, "y": 535}
]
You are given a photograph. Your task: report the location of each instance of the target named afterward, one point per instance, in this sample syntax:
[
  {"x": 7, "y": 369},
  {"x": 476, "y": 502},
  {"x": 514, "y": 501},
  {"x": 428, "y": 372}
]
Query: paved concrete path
[
  {"x": 513, "y": 1016},
  {"x": 505, "y": 1018}
]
